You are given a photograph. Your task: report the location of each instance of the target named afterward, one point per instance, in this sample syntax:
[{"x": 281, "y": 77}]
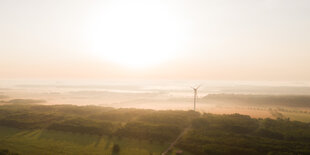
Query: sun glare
[{"x": 135, "y": 35}]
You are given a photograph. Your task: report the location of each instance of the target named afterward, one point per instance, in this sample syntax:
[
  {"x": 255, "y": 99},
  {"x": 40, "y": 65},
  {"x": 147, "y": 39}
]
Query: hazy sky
[{"x": 181, "y": 39}]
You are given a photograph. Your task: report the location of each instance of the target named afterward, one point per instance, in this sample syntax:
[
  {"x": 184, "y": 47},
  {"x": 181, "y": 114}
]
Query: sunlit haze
[{"x": 206, "y": 40}]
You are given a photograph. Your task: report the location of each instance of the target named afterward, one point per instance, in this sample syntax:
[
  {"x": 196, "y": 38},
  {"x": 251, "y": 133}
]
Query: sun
[{"x": 135, "y": 35}]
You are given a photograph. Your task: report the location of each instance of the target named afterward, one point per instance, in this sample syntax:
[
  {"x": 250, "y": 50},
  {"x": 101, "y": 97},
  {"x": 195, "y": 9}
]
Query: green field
[
  {"x": 58, "y": 142},
  {"x": 303, "y": 117}
]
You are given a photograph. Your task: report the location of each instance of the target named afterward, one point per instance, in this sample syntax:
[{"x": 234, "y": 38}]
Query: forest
[{"x": 208, "y": 134}]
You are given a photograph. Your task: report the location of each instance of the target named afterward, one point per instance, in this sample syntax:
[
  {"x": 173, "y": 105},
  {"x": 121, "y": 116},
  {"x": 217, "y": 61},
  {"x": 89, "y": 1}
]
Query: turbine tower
[{"x": 195, "y": 95}]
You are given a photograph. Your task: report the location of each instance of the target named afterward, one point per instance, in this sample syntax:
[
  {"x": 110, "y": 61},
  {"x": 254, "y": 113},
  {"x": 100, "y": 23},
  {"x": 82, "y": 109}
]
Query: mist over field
[{"x": 257, "y": 99}]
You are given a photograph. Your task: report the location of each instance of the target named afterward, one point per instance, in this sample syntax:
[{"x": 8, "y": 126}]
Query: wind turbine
[{"x": 195, "y": 95}]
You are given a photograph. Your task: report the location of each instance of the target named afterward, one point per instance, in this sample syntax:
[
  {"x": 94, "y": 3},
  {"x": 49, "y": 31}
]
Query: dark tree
[{"x": 116, "y": 148}]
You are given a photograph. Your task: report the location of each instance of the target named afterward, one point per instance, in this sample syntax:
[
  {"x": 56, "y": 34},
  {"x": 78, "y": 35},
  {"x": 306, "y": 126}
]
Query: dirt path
[{"x": 175, "y": 141}]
